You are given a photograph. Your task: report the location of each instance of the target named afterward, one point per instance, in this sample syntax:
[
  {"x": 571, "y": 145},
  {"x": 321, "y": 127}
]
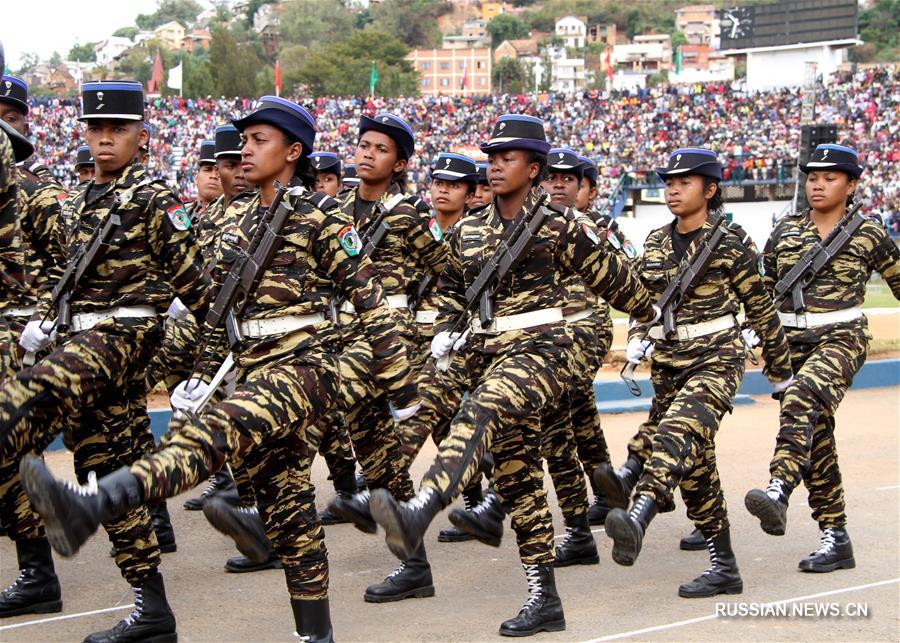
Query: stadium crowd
[{"x": 756, "y": 134}]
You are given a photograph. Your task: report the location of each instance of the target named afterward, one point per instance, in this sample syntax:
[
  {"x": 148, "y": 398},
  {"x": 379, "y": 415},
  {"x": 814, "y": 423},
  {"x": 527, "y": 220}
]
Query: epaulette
[
  {"x": 417, "y": 202},
  {"x": 324, "y": 202},
  {"x": 741, "y": 234},
  {"x": 37, "y": 167},
  {"x": 561, "y": 209},
  {"x": 477, "y": 210}
]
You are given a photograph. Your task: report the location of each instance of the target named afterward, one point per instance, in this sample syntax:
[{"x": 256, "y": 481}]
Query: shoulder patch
[
  {"x": 590, "y": 234},
  {"x": 629, "y": 249},
  {"x": 230, "y": 238},
  {"x": 179, "y": 217},
  {"x": 61, "y": 197},
  {"x": 435, "y": 229},
  {"x": 349, "y": 240},
  {"x": 761, "y": 265},
  {"x": 613, "y": 239}
]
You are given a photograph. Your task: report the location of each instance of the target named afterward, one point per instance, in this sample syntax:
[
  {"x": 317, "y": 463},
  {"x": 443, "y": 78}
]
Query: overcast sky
[{"x": 45, "y": 26}]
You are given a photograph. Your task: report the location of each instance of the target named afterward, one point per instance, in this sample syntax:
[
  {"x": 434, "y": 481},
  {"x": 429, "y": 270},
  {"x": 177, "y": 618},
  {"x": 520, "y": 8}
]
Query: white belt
[
  {"x": 426, "y": 316},
  {"x": 19, "y": 312},
  {"x": 811, "y": 320},
  {"x": 518, "y": 322},
  {"x": 255, "y": 328},
  {"x": 86, "y": 321},
  {"x": 394, "y": 301},
  {"x": 581, "y": 314},
  {"x": 691, "y": 331}
]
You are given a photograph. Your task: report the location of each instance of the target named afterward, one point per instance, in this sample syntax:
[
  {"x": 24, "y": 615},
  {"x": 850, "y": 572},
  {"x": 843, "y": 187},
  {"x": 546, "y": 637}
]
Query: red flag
[
  {"x": 278, "y": 78},
  {"x": 465, "y": 74},
  {"x": 609, "y": 67}
]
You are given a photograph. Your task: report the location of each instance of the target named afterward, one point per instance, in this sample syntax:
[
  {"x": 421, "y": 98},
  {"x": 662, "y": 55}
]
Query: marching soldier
[
  {"x": 94, "y": 379},
  {"x": 327, "y": 166},
  {"x": 482, "y": 195},
  {"x": 519, "y": 358},
  {"x": 829, "y": 338},
  {"x": 697, "y": 364},
  {"x": 206, "y": 180},
  {"x": 410, "y": 249},
  {"x": 84, "y": 164},
  {"x": 287, "y": 359}
]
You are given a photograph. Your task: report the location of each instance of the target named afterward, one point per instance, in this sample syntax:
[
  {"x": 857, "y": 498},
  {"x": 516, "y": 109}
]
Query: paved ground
[{"x": 478, "y": 587}]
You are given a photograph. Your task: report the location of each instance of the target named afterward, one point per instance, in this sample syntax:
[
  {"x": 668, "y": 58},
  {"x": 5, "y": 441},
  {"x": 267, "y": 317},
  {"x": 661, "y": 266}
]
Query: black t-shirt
[
  {"x": 682, "y": 241},
  {"x": 95, "y": 191},
  {"x": 361, "y": 208}
]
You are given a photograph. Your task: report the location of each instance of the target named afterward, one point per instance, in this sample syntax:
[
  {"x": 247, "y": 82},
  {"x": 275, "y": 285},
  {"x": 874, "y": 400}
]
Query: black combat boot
[
  {"x": 411, "y": 580},
  {"x": 345, "y": 486},
  {"x": 404, "y": 523},
  {"x": 472, "y": 497},
  {"x": 162, "y": 525},
  {"x": 835, "y": 552},
  {"x": 721, "y": 577},
  {"x": 599, "y": 509},
  {"x": 36, "y": 590},
  {"x": 354, "y": 509},
  {"x": 218, "y": 482},
  {"x": 618, "y": 484},
  {"x": 485, "y": 521},
  {"x": 73, "y": 512},
  {"x": 578, "y": 547},
  {"x": 543, "y": 611},
  {"x": 312, "y": 620},
  {"x": 694, "y": 541},
  {"x": 240, "y": 523},
  {"x": 150, "y": 620},
  {"x": 770, "y": 506},
  {"x": 243, "y": 565},
  {"x": 627, "y": 529}
]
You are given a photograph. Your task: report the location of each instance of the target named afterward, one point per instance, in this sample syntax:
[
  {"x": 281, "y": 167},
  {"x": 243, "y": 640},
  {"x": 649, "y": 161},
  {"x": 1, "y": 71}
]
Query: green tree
[
  {"x": 84, "y": 53},
  {"x": 412, "y": 21},
  {"x": 198, "y": 77},
  {"x": 510, "y": 77},
  {"x": 634, "y": 25},
  {"x": 126, "y": 32},
  {"x": 506, "y": 27},
  {"x": 233, "y": 67},
  {"x": 878, "y": 28},
  {"x": 314, "y": 23},
  {"x": 343, "y": 68},
  {"x": 29, "y": 61},
  {"x": 678, "y": 38},
  {"x": 183, "y": 11}
]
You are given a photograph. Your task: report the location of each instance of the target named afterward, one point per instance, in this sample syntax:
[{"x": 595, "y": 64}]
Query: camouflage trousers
[
  {"x": 260, "y": 428},
  {"x": 503, "y": 414},
  {"x": 576, "y": 421},
  {"x": 172, "y": 363},
  {"x": 805, "y": 448},
  {"x": 94, "y": 384},
  {"x": 330, "y": 439},
  {"x": 691, "y": 402},
  {"x": 369, "y": 423}
]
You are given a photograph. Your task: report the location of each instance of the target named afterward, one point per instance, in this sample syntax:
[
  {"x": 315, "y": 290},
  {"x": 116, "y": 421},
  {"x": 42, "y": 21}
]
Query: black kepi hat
[
  {"x": 517, "y": 132},
  {"x": 228, "y": 141},
  {"x": 325, "y": 162},
  {"x": 14, "y": 91},
  {"x": 350, "y": 178},
  {"x": 83, "y": 156},
  {"x": 829, "y": 156},
  {"x": 393, "y": 126},
  {"x": 207, "y": 153},
  {"x": 564, "y": 161},
  {"x": 454, "y": 167},
  {"x": 286, "y": 116},
  {"x": 122, "y": 100},
  {"x": 591, "y": 173}
]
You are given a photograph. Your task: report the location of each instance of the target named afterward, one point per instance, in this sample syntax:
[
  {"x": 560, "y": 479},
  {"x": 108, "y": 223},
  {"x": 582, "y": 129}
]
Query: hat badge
[
  {"x": 677, "y": 160},
  {"x": 447, "y": 163},
  {"x": 561, "y": 155},
  {"x": 384, "y": 119},
  {"x": 502, "y": 125},
  {"x": 825, "y": 153},
  {"x": 8, "y": 87}
]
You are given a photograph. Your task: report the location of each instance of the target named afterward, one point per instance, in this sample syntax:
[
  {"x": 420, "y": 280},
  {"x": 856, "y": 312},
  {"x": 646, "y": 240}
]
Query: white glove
[
  {"x": 177, "y": 310},
  {"x": 781, "y": 387},
  {"x": 444, "y": 341},
  {"x": 751, "y": 339},
  {"x": 408, "y": 412},
  {"x": 187, "y": 393},
  {"x": 35, "y": 337},
  {"x": 638, "y": 349}
]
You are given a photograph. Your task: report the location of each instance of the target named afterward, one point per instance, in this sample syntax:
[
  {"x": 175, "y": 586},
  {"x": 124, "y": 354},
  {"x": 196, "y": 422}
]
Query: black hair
[
  {"x": 717, "y": 201},
  {"x": 541, "y": 160},
  {"x": 304, "y": 171}
]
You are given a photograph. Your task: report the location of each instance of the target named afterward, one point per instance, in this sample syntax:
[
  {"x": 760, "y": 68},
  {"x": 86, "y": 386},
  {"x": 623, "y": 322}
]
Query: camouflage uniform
[
  {"x": 516, "y": 374},
  {"x": 696, "y": 379},
  {"x": 408, "y": 251},
  {"x": 285, "y": 382},
  {"x": 825, "y": 358},
  {"x": 97, "y": 374}
]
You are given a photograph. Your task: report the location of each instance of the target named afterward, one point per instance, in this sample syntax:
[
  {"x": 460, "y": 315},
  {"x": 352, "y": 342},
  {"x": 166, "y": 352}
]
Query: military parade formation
[{"x": 307, "y": 303}]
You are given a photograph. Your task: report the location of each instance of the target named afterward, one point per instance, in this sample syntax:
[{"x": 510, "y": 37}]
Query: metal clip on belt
[
  {"x": 518, "y": 322},
  {"x": 692, "y": 331},
  {"x": 813, "y": 320},
  {"x": 256, "y": 328}
]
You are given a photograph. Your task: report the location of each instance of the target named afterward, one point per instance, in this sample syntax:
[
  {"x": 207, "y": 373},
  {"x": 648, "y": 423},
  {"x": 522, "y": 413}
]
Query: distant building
[
  {"x": 490, "y": 10},
  {"x": 573, "y": 32},
  {"x": 699, "y": 24},
  {"x": 56, "y": 79},
  {"x": 517, "y": 49},
  {"x": 567, "y": 75},
  {"x": 109, "y": 50},
  {"x": 196, "y": 40},
  {"x": 170, "y": 34},
  {"x": 453, "y": 72},
  {"x": 702, "y": 63},
  {"x": 607, "y": 35},
  {"x": 650, "y": 53}
]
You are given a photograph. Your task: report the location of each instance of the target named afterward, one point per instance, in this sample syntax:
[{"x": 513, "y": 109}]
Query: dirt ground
[{"x": 478, "y": 587}]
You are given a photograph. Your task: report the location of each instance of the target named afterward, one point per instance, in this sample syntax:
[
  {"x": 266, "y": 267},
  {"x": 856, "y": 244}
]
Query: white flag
[{"x": 174, "y": 81}]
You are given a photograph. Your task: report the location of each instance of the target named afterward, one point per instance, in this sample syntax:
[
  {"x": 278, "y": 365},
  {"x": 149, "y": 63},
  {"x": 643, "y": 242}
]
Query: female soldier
[
  {"x": 696, "y": 368},
  {"x": 327, "y": 166},
  {"x": 287, "y": 377},
  {"x": 829, "y": 337}
]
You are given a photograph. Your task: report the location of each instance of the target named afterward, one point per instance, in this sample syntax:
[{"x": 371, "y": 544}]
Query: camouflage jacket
[
  {"x": 12, "y": 285},
  {"x": 842, "y": 282},
  {"x": 410, "y": 249},
  {"x": 39, "y": 202},
  {"x": 318, "y": 252},
  {"x": 150, "y": 254},
  {"x": 565, "y": 246},
  {"x": 731, "y": 280}
]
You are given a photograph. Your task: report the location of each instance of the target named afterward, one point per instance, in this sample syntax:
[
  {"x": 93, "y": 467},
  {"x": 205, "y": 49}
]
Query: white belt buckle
[
  {"x": 801, "y": 320},
  {"x": 682, "y": 332}
]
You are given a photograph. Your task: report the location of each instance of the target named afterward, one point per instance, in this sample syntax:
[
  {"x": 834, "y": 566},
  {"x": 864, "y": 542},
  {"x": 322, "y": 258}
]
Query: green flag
[
  {"x": 678, "y": 60},
  {"x": 373, "y": 78}
]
